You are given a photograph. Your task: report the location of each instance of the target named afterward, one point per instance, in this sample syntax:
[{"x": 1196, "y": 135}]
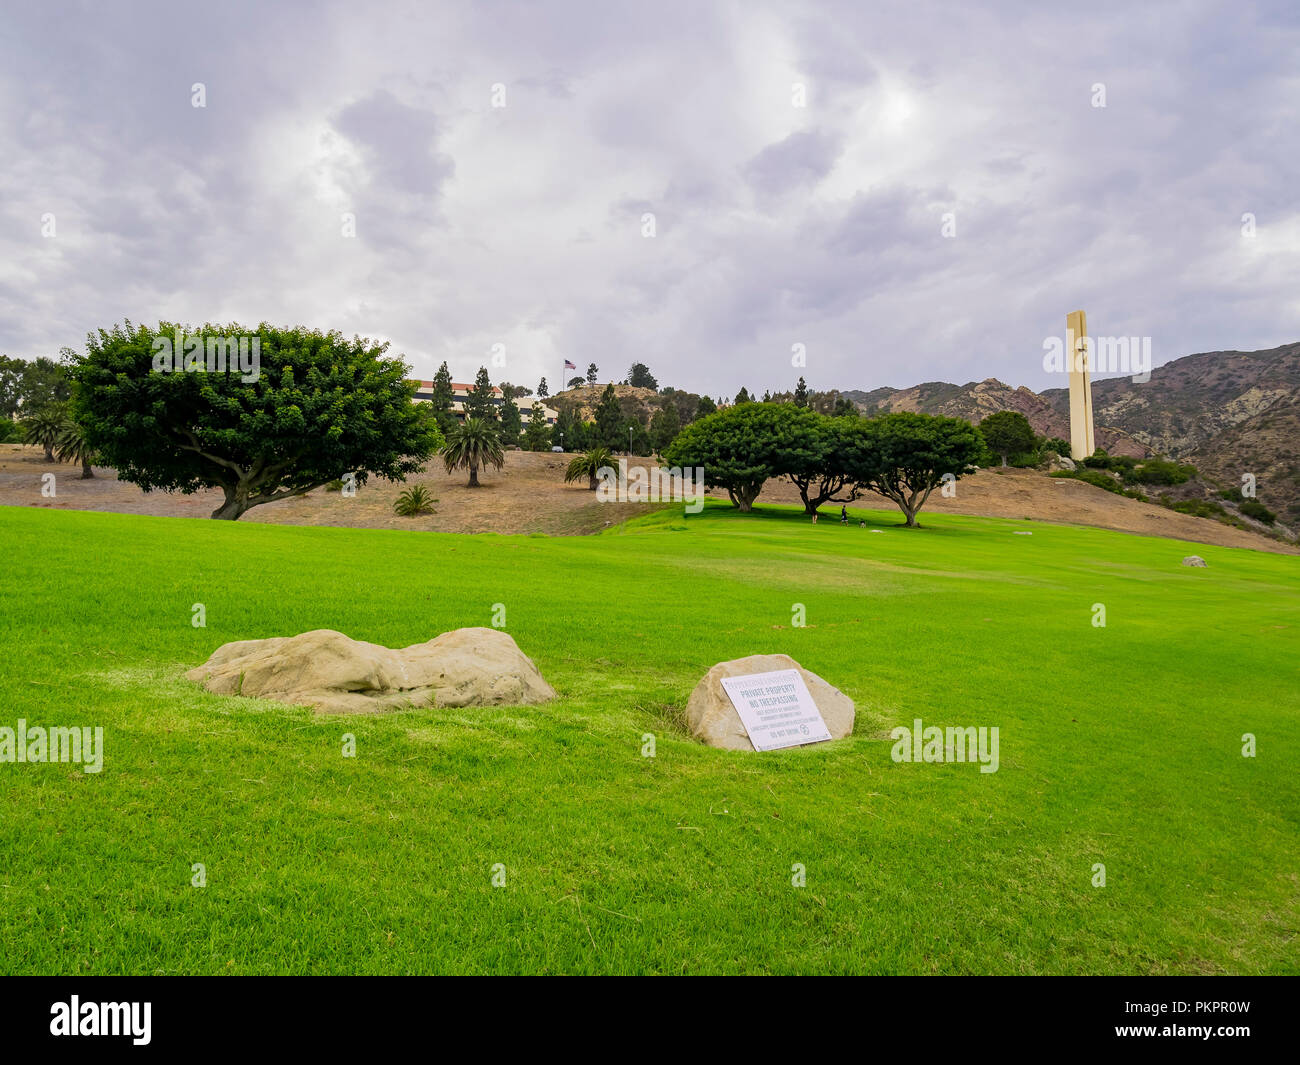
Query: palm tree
[
  {"x": 589, "y": 466},
  {"x": 72, "y": 447},
  {"x": 45, "y": 426},
  {"x": 472, "y": 444}
]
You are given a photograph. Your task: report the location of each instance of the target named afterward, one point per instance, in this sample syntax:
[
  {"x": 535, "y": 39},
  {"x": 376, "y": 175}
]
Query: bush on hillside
[{"x": 1252, "y": 508}]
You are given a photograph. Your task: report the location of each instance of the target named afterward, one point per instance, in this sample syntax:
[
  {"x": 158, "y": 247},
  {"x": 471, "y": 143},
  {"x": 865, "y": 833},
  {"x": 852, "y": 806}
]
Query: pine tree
[
  {"x": 591, "y": 373},
  {"x": 512, "y": 421},
  {"x": 479, "y": 403},
  {"x": 538, "y": 435},
  {"x": 743, "y": 396},
  {"x": 801, "y": 394},
  {"x": 542, "y": 390},
  {"x": 443, "y": 396},
  {"x": 609, "y": 420}
]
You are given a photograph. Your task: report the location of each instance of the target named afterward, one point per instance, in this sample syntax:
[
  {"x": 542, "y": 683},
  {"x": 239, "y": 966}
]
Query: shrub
[
  {"x": 1200, "y": 508},
  {"x": 1232, "y": 495},
  {"x": 1161, "y": 471},
  {"x": 1093, "y": 477},
  {"x": 414, "y": 501},
  {"x": 1252, "y": 508}
]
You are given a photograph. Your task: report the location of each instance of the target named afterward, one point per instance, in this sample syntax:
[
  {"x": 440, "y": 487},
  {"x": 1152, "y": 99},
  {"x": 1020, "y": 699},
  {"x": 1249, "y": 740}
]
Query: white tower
[{"x": 1078, "y": 348}]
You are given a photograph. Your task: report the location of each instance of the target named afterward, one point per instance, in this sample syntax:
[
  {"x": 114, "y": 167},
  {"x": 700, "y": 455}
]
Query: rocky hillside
[
  {"x": 1190, "y": 401},
  {"x": 978, "y": 399},
  {"x": 637, "y": 403},
  {"x": 1226, "y": 412}
]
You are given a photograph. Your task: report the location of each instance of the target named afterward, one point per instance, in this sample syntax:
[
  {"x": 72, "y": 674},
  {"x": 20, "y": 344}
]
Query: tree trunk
[
  {"x": 86, "y": 472},
  {"x": 592, "y": 482},
  {"x": 473, "y": 475},
  {"x": 49, "y": 452},
  {"x": 235, "y": 505},
  {"x": 1004, "y": 462}
]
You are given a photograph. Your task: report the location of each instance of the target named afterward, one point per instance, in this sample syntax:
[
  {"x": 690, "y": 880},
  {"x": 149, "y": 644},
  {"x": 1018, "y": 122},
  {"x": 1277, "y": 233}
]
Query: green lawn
[{"x": 1120, "y": 745}]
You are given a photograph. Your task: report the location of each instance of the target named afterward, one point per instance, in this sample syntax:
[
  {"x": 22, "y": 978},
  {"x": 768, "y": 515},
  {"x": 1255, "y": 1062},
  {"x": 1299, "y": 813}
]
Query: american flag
[{"x": 568, "y": 365}]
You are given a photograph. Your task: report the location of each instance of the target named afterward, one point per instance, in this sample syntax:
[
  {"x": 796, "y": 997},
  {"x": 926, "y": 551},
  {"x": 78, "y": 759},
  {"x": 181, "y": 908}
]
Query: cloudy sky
[{"x": 798, "y": 163}]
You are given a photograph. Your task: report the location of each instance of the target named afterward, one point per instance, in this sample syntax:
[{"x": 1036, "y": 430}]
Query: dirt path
[{"x": 530, "y": 495}]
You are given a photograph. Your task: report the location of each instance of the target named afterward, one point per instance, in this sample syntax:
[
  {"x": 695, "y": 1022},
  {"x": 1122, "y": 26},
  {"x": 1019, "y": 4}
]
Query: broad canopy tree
[
  {"x": 320, "y": 406},
  {"x": 741, "y": 447},
  {"x": 823, "y": 470},
  {"x": 905, "y": 456}
]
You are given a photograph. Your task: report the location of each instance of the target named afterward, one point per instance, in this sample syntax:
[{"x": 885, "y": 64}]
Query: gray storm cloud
[{"x": 799, "y": 160}]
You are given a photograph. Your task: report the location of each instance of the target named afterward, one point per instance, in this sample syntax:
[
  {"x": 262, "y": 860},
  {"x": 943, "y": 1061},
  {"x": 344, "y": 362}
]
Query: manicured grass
[{"x": 1119, "y": 745}]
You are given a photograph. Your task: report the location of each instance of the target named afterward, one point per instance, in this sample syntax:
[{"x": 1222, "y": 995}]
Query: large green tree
[
  {"x": 742, "y": 447},
  {"x": 1008, "y": 432},
  {"x": 321, "y": 406},
  {"x": 905, "y": 456},
  {"x": 814, "y": 459}
]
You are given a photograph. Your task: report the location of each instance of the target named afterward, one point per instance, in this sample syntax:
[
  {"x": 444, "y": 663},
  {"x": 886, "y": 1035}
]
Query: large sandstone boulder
[
  {"x": 327, "y": 670},
  {"x": 712, "y": 718},
  {"x": 1194, "y": 560}
]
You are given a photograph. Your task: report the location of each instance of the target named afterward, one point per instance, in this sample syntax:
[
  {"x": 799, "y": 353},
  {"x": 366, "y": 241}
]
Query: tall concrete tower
[{"x": 1078, "y": 351}]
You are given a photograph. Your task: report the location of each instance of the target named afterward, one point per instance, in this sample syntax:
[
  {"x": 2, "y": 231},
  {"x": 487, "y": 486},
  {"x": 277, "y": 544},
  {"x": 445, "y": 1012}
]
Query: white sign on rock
[{"x": 776, "y": 709}]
